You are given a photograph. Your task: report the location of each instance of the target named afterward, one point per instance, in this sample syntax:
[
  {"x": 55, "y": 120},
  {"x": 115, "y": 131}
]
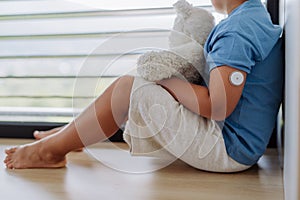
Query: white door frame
[{"x": 292, "y": 99}]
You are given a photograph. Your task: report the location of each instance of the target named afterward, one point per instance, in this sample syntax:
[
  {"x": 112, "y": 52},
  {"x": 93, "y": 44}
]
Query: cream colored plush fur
[{"x": 185, "y": 56}]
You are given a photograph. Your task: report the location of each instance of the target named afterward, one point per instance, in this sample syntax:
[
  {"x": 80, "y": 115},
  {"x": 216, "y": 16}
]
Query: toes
[
  {"x": 13, "y": 164},
  {"x": 7, "y": 159},
  {"x": 11, "y": 150},
  {"x": 36, "y": 134},
  {"x": 10, "y": 165}
]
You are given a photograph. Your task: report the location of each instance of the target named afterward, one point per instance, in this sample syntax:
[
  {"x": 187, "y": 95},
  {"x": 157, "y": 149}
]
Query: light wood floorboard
[{"x": 87, "y": 178}]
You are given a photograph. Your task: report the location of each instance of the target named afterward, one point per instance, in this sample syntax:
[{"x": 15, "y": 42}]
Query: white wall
[{"x": 292, "y": 128}]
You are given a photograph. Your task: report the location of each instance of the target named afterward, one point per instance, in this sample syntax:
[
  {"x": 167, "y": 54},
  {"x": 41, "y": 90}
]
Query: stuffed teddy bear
[{"x": 185, "y": 56}]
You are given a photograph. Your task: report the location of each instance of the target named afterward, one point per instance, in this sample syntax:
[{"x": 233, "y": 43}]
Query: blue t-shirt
[{"x": 247, "y": 40}]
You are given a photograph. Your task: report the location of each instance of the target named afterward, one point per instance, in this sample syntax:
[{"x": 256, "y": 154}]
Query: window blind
[{"x": 57, "y": 56}]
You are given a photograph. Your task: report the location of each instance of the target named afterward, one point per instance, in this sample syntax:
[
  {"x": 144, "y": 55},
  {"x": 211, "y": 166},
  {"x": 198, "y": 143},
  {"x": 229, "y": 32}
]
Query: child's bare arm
[{"x": 216, "y": 102}]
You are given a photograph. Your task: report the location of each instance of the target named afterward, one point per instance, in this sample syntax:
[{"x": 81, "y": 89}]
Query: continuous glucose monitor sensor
[{"x": 236, "y": 78}]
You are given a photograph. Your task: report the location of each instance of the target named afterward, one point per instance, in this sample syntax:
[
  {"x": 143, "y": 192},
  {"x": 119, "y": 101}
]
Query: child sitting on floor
[{"x": 222, "y": 127}]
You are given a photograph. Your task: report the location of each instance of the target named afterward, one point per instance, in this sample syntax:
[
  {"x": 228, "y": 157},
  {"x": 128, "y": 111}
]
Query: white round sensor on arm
[{"x": 236, "y": 78}]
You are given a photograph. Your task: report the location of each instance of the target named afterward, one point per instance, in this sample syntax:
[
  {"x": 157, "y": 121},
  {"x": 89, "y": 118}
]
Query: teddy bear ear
[{"x": 183, "y": 8}]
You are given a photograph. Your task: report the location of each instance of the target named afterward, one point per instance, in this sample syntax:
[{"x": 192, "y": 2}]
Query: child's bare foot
[
  {"x": 32, "y": 156},
  {"x": 42, "y": 134}
]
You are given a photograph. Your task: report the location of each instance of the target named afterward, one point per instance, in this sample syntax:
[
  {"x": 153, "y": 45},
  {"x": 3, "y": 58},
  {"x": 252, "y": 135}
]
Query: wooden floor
[{"x": 86, "y": 178}]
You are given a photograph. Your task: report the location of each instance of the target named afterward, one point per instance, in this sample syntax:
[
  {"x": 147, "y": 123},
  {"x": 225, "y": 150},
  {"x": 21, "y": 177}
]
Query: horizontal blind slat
[
  {"x": 57, "y": 6},
  {"x": 132, "y": 33},
  {"x": 87, "y": 25},
  {"x": 81, "y": 14}
]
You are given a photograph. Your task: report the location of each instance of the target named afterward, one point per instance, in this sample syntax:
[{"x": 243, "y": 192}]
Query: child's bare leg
[
  {"x": 42, "y": 134},
  {"x": 98, "y": 122}
]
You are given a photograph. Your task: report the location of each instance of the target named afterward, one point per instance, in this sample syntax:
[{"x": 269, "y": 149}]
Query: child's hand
[{"x": 170, "y": 85}]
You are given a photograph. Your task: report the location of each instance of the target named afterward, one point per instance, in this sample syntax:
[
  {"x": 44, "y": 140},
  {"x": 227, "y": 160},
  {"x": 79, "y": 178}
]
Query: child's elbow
[
  {"x": 219, "y": 117},
  {"x": 220, "y": 113}
]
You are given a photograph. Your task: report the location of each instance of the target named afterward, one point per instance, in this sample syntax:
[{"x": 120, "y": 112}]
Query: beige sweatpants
[{"x": 159, "y": 126}]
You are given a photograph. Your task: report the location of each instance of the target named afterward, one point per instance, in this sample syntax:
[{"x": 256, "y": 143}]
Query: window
[{"x": 54, "y": 54}]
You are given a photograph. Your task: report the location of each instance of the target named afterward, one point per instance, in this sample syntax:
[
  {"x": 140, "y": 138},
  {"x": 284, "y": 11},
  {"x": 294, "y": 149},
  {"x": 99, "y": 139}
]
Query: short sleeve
[{"x": 234, "y": 50}]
